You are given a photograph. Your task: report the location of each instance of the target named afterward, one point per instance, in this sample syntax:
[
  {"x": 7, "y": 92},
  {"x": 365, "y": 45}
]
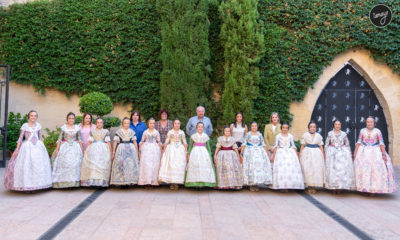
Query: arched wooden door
[{"x": 349, "y": 98}]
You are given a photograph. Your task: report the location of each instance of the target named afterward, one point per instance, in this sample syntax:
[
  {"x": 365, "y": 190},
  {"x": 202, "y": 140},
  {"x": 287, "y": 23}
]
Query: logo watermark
[{"x": 380, "y": 15}]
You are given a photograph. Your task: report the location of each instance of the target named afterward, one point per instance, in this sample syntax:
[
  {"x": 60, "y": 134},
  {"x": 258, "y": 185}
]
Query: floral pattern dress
[
  {"x": 312, "y": 160},
  {"x": 96, "y": 164},
  {"x": 339, "y": 169},
  {"x": 373, "y": 175},
  {"x": 67, "y": 165},
  {"x": 286, "y": 170},
  {"x": 227, "y": 165},
  {"x": 125, "y": 165},
  {"x": 173, "y": 161},
  {"x": 30, "y": 169},
  {"x": 85, "y": 133},
  {"x": 150, "y": 157},
  {"x": 200, "y": 170},
  {"x": 256, "y": 167}
]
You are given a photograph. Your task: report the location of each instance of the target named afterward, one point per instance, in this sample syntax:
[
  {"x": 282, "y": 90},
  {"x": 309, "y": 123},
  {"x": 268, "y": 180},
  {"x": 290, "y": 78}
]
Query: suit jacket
[{"x": 269, "y": 135}]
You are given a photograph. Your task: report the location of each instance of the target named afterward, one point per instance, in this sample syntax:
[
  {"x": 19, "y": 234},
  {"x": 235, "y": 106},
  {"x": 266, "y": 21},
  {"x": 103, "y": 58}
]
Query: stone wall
[
  {"x": 52, "y": 106},
  {"x": 6, "y": 3},
  {"x": 379, "y": 76}
]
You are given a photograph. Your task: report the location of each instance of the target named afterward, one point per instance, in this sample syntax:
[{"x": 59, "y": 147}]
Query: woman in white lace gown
[
  {"x": 29, "y": 167},
  {"x": 227, "y": 162},
  {"x": 200, "y": 169},
  {"x": 67, "y": 158},
  {"x": 256, "y": 167},
  {"x": 312, "y": 158},
  {"x": 286, "y": 170},
  {"x": 96, "y": 164},
  {"x": 174, "y": 158},
  {"x": 150, "y": 156},
  {"x": 339, "y": 169},
  {"x": 125, "y": 165}
]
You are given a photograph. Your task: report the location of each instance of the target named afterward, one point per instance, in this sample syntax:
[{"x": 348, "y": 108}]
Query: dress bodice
[
  {"x": 284, "y": 142},
  {"x": 308, "y": 138},
  {"x": 151, "y": 137},
  {"x": 99, "y": 135},
  {"x": 226, "y": 142},
  {"x": 32, "y": 134},
  {"x": 370, "y": 138},
  {"x": 124, "y": 136},
  {"x": 200, "y": 138},
  {"x": 70, "y": 135},
  {"x": 337, "y": 140},
  {"x": 175, "y": 137},
  {"x": 254, "y": 140}
]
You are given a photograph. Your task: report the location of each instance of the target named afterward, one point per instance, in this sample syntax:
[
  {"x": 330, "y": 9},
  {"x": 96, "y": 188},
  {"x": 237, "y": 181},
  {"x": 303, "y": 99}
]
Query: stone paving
[{"x": 160, "y": 213}]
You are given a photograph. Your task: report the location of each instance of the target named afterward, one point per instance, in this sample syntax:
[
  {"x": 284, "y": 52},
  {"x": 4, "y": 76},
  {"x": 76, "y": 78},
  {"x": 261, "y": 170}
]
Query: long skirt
[
  {"x": 200, "y": 170},
  {"x": 256, "y": 167},
  {"x": 372, "y": 174},
  {"x": 67, "y": 165},
  {"x": 125, "y": 166},
  {"x": 149, "y": 164},
  {"x": 173, "y": 164},
  {"x": 287, "y": 170},
  {"x": 96, "y": 165},
  {"x": 30, "y": 169},
  {"x": 339, "y": 169},
  {"x": 228, "y": 170},
  {"x": 312, "y": 164}
]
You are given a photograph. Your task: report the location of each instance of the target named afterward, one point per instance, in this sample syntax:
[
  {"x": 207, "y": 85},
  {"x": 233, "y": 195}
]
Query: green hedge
[{"x": 84, "y": 46}]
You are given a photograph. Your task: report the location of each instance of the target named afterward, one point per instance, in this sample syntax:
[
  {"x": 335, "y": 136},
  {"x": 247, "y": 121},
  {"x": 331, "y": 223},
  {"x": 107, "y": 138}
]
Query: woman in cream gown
[
  {"x": 312, "y": 158},
  {"x": 173, "y": 161},
  {"x": 200, "y": 170},
  {"x": 96, "y": 164}
]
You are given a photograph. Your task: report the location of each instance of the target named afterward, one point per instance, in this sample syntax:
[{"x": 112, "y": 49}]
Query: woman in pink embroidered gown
[
  {"x": 373, "y": 166},
  {"x": 29, "y": 167}
]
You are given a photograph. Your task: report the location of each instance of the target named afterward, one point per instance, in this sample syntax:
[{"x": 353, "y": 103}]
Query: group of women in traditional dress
[{"x": 159, "y": 154}]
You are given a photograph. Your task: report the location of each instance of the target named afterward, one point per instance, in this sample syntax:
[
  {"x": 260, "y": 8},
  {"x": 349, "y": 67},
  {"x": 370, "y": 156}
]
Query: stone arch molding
[{"x": 384, "y": 83}]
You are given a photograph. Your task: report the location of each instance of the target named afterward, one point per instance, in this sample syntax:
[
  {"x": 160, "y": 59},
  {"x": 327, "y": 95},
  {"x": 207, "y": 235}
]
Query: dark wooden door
[{"x": 349, "y": 98}]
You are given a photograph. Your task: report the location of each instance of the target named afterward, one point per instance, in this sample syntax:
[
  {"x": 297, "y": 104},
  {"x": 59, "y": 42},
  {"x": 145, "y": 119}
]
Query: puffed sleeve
[
  {"x": 107, "y": 138},
  {"x": 328, "y": 140},
  {"x": 21, "y": 135},
  {"x": 360, "y": 137},
  {"x": 144, "y": 136},
  {"x": 134, "y": 138},
  {"x": 380, "y": 137},
  {"x": 262, "y": 140},
  {"x": 321, "y": 141},
  {"x": 234, "y": 146},
  {"x": 60, "y": 136},
  {"x": 79, "y": 136},
  {"x": 40, "y": 136},
  {"x": 90, "y": 138},
  {"x": 346, "y": 141},
  {"x": 303, "y": 139},
  {"x": 116, "y": 138},
  {"x": 219, "y": 144},
  {"x": 292, "y": 142},
  {"x": 158, "y": 138},
  {"x": 183, "y": 138},
  {"x": 246, "y": 139},
  {"x": 168, "y": 138}
]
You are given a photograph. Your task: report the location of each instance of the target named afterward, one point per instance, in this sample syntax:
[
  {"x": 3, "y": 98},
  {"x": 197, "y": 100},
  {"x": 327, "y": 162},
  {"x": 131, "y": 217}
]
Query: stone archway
[{"x": 385, "y": 84}]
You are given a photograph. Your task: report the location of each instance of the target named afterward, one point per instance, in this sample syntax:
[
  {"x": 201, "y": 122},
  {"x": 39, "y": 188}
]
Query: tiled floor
[{"x": 189, "y": 214}]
